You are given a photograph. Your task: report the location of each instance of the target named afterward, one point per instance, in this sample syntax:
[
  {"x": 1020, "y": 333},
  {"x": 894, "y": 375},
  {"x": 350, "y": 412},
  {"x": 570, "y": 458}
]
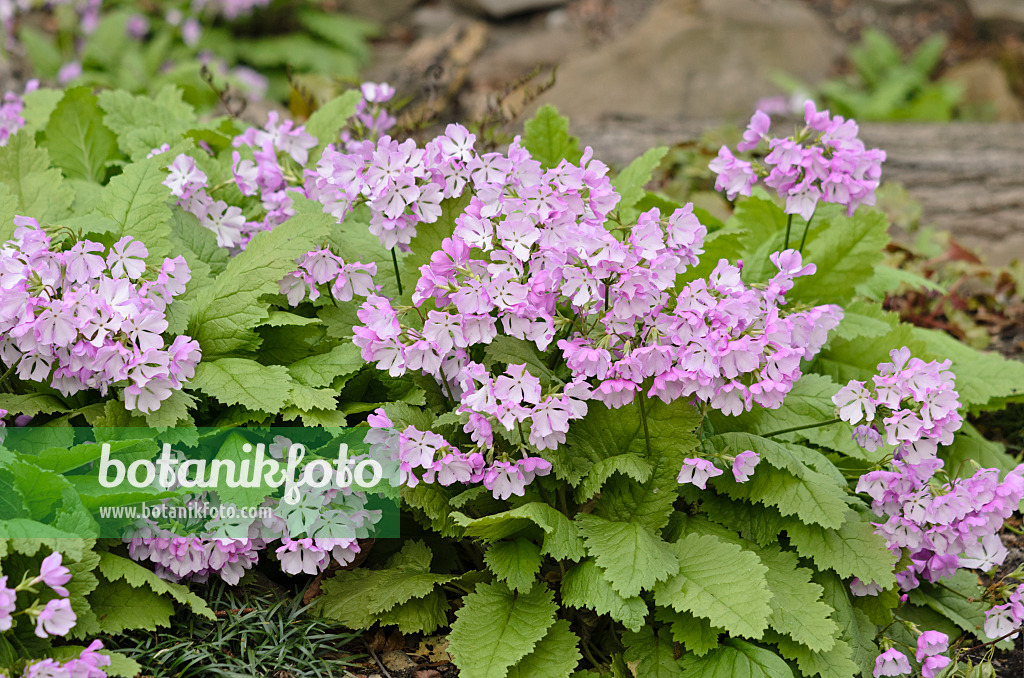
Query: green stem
[
  {"x": 801, "y": 428},
  {"x": 643, "y": 418},
  {"x": 789, "y": 225},
  {"x": 803, "y": 238},
  {"x": 398, "y": 276}
]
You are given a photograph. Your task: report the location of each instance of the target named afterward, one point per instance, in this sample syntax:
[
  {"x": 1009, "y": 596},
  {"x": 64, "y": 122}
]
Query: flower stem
[
  {"x": 643, "y": 418},
  {"x": 398, "y": 276},
  {"x": 803, "y": 238},
  {"x": 801, "y": 428},
  {"x": 789, "y": 225}
]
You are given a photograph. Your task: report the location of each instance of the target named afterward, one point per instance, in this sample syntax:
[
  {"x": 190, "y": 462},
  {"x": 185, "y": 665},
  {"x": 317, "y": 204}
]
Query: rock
[
  {"x": 987, "y": 92},
  {"x": 998, "y": 10},
  {"x": 396, "y": 660},
  {"x": 500, "y": 9},
  {"x": 427, "y": 673},
  {"x": 697, "y": 59},
  {"x": 383, "y": 11}
]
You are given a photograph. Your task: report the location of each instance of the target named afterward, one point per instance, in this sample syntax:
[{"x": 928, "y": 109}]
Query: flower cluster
[
  {"x": 324, "y": 524},
  {"x": 550, "y": 267},
  {"x": 89, "y": 317},
  {"x": 930, "y": 646},
  {"x": 402, "y": 184},
  {"x": 1003, "y": 620},
  {"x": 825, "y": 161},
  {"x": 372, "y": 119},
  {"x": 698, "y": 471},
  {"x": 279, "y": 152},
  {"x": 944, "y": 526},
  {"x": 54, "y": 618},
  {"x": 10, "y": 112},
  {"x": 268, "y": 163},
  {"x": 320, "y": 267},
  {"x": 88, "y": 664}
]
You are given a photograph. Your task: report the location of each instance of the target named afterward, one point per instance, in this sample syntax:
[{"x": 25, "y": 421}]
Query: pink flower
[
  {"x": 127, "y": 258},
  {"x": 53, "y": 574},
  {"x": 8, "y": 603},
  {"x": 56, "y": 619},
  {"x": 892, "y": 662},
  {"x": 744, "y": 464},
  {"x": 931, "y": 643},
  {"x": 697, "y": 471}
]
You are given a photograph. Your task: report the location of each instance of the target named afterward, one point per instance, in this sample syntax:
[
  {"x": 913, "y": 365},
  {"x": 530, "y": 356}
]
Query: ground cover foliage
[{"x": 589, "y": 489}]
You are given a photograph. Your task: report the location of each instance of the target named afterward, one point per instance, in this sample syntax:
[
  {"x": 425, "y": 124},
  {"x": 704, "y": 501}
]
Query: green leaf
[
  {"x": 784, "y": 482},
  {"x": 737, "y": 657},
  {"x": 42, "y": 489},
  {"x": 40, "y": 190},
  {"x": 585, "y": 586},
  {"x": 307, "y": 398},
  {"x": 511, "y": 351},
  {"x": 78, "y": 141},
  {"x": 809, "y": 402},
  {"x": 631, "y": 181},
  {"x": 115, "y": 567},
  {"x": 31, "y": 403},
  {"x": 846, "y": 253},
  {"x": 864, "y": 320},
  {"x": 419, "y": 615},
  {"x": 630, "y": 465},
  {"x": 695, "y": 633},
  {"x": 41, "y": 50},
  {"x": 358, "y": 597},
  {"x": 981, "y": 377},
  {"x": 720, "y": 581},
  {"x": 723, "y": 244},
  {"x": 122, "y": 606},
  {"x": 854, "y": 550},
  {"x": 652, "y": 654},
  {"x": 797, "y": 608},
  {"x": 327, "y": 121},
  {"x": 631, "y": 556},
  {"x": 835, "y": 663},
  {"x": 226, "y": 312},
  {"x": 135, "y": 202},
  {"x": 243, "y": 381},
  {"x": 561, "y": 536},
  {"x": 605, "y": 433},
  {"x": 497, "y": 628},
  {"x": 548, "y": 140},
  {"x": 39, "y": 105},
  {"x": 555, "y": 656},
  {"x": 432, "y": 500},
  {"x": 319, "y": 371},
  {"x": 516, "y": 562},
  {"x": 197, "y": 244},
  {"x": 172, "y": 411},
  {"x": 855, "y": 629},
  {"x": 762, "y": 225},
  {"x": 129, "y": 114},
  {"x": 954, "y": 605}
]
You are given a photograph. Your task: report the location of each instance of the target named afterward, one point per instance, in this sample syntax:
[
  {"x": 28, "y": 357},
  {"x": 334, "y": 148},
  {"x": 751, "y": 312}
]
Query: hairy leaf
[
  {"x": 548, "y": 140},
  {"x": 497, "y": 627},
  {"x": 585, "y": 586},
  {"x": 516, "y": 562},
  {"x": 632, "y": 557},
  {"x": 555, "y": 656},
  {"x": 720, "y": 581}
]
